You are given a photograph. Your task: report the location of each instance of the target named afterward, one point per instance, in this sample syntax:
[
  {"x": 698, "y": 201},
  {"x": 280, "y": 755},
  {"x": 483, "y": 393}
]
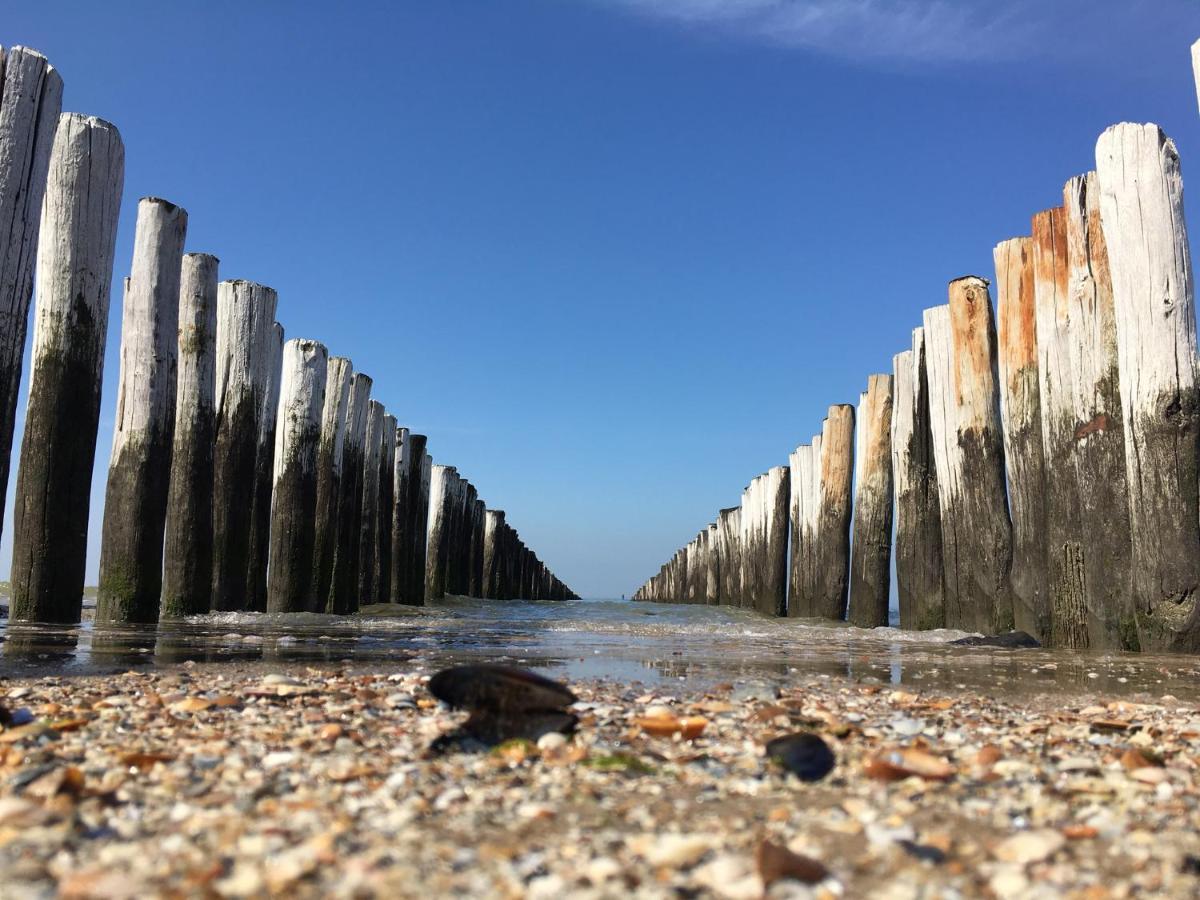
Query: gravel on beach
[{"x": 231, "y": 781}]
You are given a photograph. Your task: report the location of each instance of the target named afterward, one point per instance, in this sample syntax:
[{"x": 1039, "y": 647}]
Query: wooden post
[
  {"x": 803, "y": 519},
  {"x": 1018, "y": 280},
  {"x": 919, "y": 572},
  {"x": 245, "y": 332},
  {"x": 290, "y": 585},
  {"x": 1083, "y": 429},
  {"x": 387, "y": 501},
  {"x": 969, "y": 455},
  {"x": 749, "y": 540},
  {"x": 408, "y": 524},
  {"x": 139, "y": 472},
  {"x": 343, "y": 598},
  {"x": 187, "y": 552},
  {"x": 368, "y": 564},
  {"x": 339, "y": 371},
  {"x": 441, "y": 497},
  {"x": 1141, "y": 207},
  {"x": 402, "y": 473},
  {"x": 30, "y": 101},
  {"x": 478, "y": 526},
  {"x": 264, "y": 474},
  {"x": 836, "y": 480},
  {"x": 74, "y": 271},
  {"x": 493, "y": 529},
  {"x": 764, "y": 535},
  {"x": 1196, "y": 67},
  {"x": 729, "y": 529},
  {"x": 712, "y": 574},
  {"x": 871, "y": 550}
]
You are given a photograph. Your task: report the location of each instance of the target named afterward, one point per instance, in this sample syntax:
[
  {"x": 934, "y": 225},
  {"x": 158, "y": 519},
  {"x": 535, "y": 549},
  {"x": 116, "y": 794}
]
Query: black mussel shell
[
  {"x": 498, "y": 689},
  {"x": 805, "y": 755}
]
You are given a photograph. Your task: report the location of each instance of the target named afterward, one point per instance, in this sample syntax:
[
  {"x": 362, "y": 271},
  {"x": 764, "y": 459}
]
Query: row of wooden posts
[
  {"x": 247, "y": 473},
  {"x": 1040, "y": 462}
]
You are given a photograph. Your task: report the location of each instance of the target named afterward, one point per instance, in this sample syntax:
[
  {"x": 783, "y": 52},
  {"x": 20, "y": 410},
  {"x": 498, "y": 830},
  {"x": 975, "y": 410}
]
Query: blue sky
[{"x": 615, "y": 257}]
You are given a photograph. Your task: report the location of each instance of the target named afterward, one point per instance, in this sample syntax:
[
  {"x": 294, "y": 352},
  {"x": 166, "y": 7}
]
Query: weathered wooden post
[
  {"x": 802, "y": 518},
  {"x": 712, "y": 574},
  {"x": 493, "y": 529},
  {"x": 728, "y": 529},
  {"x": 919, "y": 571},
  {"x": 30, "y": 101},
  {"x": 245, "y": 331},
  {"x": 438, "y": 542},
  {"x": 478, "y": 525},
  {"x": 1083, "y": 428},
  {"x": 135, "y": 499},
  {"x": 402, "y": 474},
  {"x": 264, "y": 475},
  {"x": 1020, "y": 355},
  {"x": 1141, "y": 207},
  {"x": 387, "y": 500},
  {"x": 969, "y": 455},
  {"x": 290, "y": 585},
  {"x": 1196, "y": 67},
  {"x": 74, "y": 271},
  {"x": 408, "y": 527},
  {"x": 187, "y": 551},
  {"x": 871, "y": 549},
  {"x": 339, "y": 372},
  {"x": 343, "y": 597},
  {"x": 368, "y": 562},
  {"x": 836, "y": 508}
]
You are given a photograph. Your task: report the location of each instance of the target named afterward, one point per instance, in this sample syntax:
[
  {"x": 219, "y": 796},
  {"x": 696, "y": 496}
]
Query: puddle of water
[{"x": 647, "y": 642}]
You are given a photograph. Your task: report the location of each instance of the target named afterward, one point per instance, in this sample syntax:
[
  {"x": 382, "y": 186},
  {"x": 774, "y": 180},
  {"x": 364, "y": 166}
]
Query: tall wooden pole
[
  {"x": 493, "y": 530},
  {"x": 74, "y": 271},
  {"x": 1141, "y": 209},
  {"x": 919, "y": 571},
  {"x": 969, "y": 455},
  {"x": 871, "y": 550},
  {"x": 478, "y": 525},
  {"x": 135, "y": 500},
  {"x": 30, "y": 101},
  {"x": 340, "y": 372},
  {"x": 343, "y": 596},
  {"x": 387, "y": 500},
  {"x": 290, "y": 586},
  {"x": 712, "y": 575},
  {"x": 264, "y": 474},
  {"x": 836, "y": 463},
  {"x": 188, "y": 548},
  {"x": 440, "y": 491},
  {"x": 368, "y": 565},
  {"x": 1020, "y": 355},
  {"x": 401, "y": 486},
  {"x": 728, "y": 529},
  {"x": 1083, "y": 426},
  {"x": 409, "y": 525},
  {"x": 245, "y": 333}
]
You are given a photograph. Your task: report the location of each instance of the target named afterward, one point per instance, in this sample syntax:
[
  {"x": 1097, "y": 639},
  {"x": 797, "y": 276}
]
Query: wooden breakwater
[
  {"x": 1041, "y": 459},
  {"x": 246, "y": 474}
]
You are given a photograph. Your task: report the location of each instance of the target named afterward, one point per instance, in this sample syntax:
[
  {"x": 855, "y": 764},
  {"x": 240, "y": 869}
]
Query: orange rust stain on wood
[
  {"x": 1014, "y": 297},
  {"x": 1051, "y": 270},
  {"x": 1099, "y": 423},
  {"x": 970, "y": 322}
]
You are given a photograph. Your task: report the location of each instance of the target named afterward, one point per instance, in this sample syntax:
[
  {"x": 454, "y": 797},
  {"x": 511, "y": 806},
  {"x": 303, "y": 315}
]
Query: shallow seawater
[{"x": 647, "y": 642}]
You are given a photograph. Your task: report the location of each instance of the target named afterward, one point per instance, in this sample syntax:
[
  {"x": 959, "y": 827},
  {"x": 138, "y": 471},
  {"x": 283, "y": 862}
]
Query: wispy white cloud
[{"x": 911, "y": 31}]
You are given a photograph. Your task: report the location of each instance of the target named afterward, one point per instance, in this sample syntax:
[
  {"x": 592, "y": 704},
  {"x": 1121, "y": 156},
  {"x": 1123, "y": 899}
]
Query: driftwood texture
[
  {"x": 74, "y": 270},
  {"x": 969, "y": 455},
  {"x": 1021, "y": 408},
  {"x": 343, "y": 592},
  {"x": 871, "y": 550},
  {"x": 339, "y": 372},
  {"x": 245, "y": 338},
  {"x": 919, "y": 571},
  {"x": 290, "y": 586},
  {"x": 1141, "y": 210},
  {"x": 139, "y": 472},
  {"x": 30, "y": 101},
  {"x": 187, "y": 552}
]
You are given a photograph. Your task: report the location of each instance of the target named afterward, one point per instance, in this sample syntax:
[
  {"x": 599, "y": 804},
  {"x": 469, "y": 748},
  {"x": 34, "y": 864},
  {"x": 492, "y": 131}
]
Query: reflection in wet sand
[{"x": 643, "y": 642}]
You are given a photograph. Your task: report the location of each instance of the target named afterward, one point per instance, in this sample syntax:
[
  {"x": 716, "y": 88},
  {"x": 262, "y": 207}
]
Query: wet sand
[{"x": 278, "y": 778}]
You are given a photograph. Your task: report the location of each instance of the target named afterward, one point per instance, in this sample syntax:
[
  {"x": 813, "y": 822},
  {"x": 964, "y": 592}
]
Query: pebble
[{"x": 1030, "y": 846}]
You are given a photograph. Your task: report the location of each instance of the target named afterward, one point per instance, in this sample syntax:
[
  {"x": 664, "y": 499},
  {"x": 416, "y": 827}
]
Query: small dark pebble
[
  {"x": 923, "y": 852},
  {"x": 1190, "y": 865},
  {"x": 1013, "y": 640},
  {"x": 803, "y": 754}
]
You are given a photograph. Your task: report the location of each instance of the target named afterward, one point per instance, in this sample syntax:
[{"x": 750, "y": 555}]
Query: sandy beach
[{"x": 236, "y": 780}]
